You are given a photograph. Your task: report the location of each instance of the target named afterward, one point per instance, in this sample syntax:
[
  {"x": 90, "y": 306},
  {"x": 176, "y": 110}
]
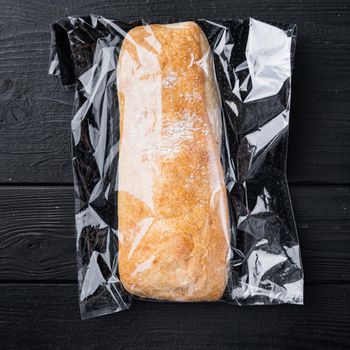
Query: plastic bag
[{"x": 179, "y": 155}]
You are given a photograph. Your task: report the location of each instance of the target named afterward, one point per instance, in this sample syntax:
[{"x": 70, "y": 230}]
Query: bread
[{"x": 173, "y": 219}]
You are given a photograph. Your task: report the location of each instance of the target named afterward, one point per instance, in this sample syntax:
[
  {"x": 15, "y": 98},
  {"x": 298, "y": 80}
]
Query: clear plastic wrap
[{"x": 179, "y": 155}]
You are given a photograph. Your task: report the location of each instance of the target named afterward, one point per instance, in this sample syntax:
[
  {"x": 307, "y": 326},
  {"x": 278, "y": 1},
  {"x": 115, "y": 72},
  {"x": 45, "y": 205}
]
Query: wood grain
[
  {"x": 37, "y": 240},
  {"x": 35, "y": 111},
  {"x": 49, "y": 318}
]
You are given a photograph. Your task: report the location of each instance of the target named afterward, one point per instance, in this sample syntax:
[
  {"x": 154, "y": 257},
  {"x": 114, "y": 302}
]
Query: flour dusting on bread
[{"x": 172, "y": 205}]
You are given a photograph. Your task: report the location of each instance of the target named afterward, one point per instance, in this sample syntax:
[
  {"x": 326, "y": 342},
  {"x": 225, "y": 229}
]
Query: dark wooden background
[{"x": 38, "y": 279}]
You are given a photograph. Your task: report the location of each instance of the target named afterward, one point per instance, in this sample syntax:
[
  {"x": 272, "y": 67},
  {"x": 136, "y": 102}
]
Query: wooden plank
[
  {"x": 318, "y": 11},
  {"x": 319, "y": 140},
  {"x": 35, "y": 111},
  {"x": 37, "y": 239},
  {"x": 37, "y": 233},
  {"x": 48, "y": 316}
]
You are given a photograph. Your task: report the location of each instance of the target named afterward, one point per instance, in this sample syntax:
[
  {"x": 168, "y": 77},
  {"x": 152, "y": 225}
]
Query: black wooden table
[{"x": 38, "y": 283}]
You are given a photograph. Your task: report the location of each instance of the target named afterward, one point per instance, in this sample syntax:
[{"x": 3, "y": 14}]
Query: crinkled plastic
[{"x": 179, "y": 143}]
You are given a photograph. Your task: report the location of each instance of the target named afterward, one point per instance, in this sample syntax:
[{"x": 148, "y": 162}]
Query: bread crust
[{"x": 173, "y": 222}]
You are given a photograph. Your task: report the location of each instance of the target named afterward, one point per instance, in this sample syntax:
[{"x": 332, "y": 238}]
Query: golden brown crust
[{"x": 172, "y": 205}]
